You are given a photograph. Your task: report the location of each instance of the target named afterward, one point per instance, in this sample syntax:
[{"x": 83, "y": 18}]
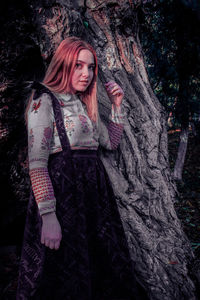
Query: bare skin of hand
[
  {"x": 115, "y": 92},
  {"x": 51, "y": 231}
]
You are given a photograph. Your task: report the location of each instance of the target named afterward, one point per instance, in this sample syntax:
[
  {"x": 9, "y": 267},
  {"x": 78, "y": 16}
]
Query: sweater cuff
[
  {"x": 117, "y": 114},
  {"x": 47, "y": 206}
]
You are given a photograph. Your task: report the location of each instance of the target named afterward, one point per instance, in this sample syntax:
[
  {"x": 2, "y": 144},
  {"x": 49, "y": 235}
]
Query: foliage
[
  {"x": 20, "y": 61},
  {"x": 169, "y": 35},
  {"x": 188, "y": 201}
]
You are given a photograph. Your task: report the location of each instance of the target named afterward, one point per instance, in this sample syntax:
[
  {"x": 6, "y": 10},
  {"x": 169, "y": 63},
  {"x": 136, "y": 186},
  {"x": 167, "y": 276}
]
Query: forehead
[{"x": 86, "y": 56}]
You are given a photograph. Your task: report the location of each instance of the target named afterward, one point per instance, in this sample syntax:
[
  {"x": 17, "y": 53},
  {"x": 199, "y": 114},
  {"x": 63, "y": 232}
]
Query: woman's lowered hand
[{"x": 51, "y": 231}]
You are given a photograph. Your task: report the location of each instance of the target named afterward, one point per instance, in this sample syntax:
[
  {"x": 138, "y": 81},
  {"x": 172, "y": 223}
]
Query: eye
[
  {"x": 78, "y": 66},
  {"x": 91, "y": 67}
]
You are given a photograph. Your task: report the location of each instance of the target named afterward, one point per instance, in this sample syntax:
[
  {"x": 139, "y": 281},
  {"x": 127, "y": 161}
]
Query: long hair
[{"x": 59, "y": 73}]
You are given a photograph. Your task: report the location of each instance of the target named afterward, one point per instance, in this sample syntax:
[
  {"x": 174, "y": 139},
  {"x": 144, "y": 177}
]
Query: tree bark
[{"x": 139, "y": 169}]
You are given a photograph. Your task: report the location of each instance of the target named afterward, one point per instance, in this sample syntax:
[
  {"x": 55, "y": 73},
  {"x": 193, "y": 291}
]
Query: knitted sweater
[{"x": 43, "y": 139}]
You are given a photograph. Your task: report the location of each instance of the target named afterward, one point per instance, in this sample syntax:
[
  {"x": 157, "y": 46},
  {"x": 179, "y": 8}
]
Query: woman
[{"x": 74, "y": 245}]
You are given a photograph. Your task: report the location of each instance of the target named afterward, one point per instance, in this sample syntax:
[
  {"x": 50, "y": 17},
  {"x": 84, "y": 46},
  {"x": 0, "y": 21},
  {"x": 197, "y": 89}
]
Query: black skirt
[{"x": 93, "y": 261}]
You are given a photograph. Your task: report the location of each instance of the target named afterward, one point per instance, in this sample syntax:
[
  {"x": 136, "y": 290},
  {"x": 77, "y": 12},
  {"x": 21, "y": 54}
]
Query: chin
[{"x": 82, "y": 89}]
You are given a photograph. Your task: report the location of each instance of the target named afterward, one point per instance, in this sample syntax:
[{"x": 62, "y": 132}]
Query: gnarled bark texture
[{"x": 139, "y": 169}]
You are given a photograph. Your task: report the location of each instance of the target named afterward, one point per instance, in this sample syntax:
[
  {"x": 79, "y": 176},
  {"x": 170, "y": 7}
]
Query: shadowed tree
[
  {"x": 139, "y": 169},
  {"x": 171, "y": 45}
]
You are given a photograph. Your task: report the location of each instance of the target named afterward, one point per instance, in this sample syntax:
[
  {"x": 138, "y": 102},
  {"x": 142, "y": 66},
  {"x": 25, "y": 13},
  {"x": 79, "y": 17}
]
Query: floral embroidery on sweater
[
  {"x": 36, "y": 106},
  {"x": 69, "y": 123},
  {"x": 84, "y": 123},
  {"x": 47, "y": 138}
]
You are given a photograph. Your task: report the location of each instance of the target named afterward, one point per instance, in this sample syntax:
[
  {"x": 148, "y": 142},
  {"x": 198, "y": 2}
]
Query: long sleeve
[
  {"x": 110, "y": 136},
  {"x": 40, "y": 131}
]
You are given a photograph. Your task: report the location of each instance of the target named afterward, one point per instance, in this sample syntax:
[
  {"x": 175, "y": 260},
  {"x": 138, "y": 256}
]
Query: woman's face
[{"x": 84, "y": 71}]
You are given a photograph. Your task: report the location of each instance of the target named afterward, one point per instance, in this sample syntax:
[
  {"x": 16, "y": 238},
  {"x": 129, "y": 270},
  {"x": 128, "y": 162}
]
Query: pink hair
[{"x": 59, "y": 73}]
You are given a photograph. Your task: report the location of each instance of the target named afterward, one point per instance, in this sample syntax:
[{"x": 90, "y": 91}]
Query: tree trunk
[
  {"x": 182, "y": 148},
  {"x": 139, "y": 169}
]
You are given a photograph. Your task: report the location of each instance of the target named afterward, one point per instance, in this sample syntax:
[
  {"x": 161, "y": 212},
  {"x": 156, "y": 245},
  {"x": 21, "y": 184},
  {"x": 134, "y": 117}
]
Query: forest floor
[{"x": 187, "y": 206}]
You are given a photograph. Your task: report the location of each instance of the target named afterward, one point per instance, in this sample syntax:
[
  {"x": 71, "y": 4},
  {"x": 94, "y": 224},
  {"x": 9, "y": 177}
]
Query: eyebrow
[{"x": 92, "y": 64}]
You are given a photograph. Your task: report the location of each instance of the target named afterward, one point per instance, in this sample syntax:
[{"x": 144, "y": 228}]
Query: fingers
[
  {"x": 110, "y": 85},
  {"x": 42, "y": 238},
  {"x": 52, "y": 244},
  {"x": 116, "y": 91},
  {"x": 113, "y": 88},
  {"x": 57, "y": 245}
]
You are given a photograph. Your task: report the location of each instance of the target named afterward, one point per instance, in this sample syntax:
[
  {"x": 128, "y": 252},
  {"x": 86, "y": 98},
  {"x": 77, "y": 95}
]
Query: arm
[
  {"x": 40, "y": 130},
  {"x": 110, "y": 136}
]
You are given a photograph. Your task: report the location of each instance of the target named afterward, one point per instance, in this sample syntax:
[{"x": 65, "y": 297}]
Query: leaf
[
  {"x": 86, "y": 24},
  {"x": 190, "y": 204}
]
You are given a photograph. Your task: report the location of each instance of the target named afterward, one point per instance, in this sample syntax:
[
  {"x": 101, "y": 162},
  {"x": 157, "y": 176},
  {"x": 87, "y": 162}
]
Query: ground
[{"x": 187, "y": 206}]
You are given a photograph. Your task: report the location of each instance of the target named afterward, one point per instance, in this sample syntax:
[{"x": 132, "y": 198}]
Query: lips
[{"x": 84, "y": 81}]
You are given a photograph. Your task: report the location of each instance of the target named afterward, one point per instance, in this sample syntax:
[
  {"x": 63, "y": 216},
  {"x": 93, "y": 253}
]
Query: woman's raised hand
[
  {"x": 51, "y": 231},
  {"x": 115, "y": 92}
]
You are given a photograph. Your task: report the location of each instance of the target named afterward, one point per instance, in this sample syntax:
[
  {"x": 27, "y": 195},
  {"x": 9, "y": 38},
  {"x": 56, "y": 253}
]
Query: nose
[{"x": 85, "y": 72}]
